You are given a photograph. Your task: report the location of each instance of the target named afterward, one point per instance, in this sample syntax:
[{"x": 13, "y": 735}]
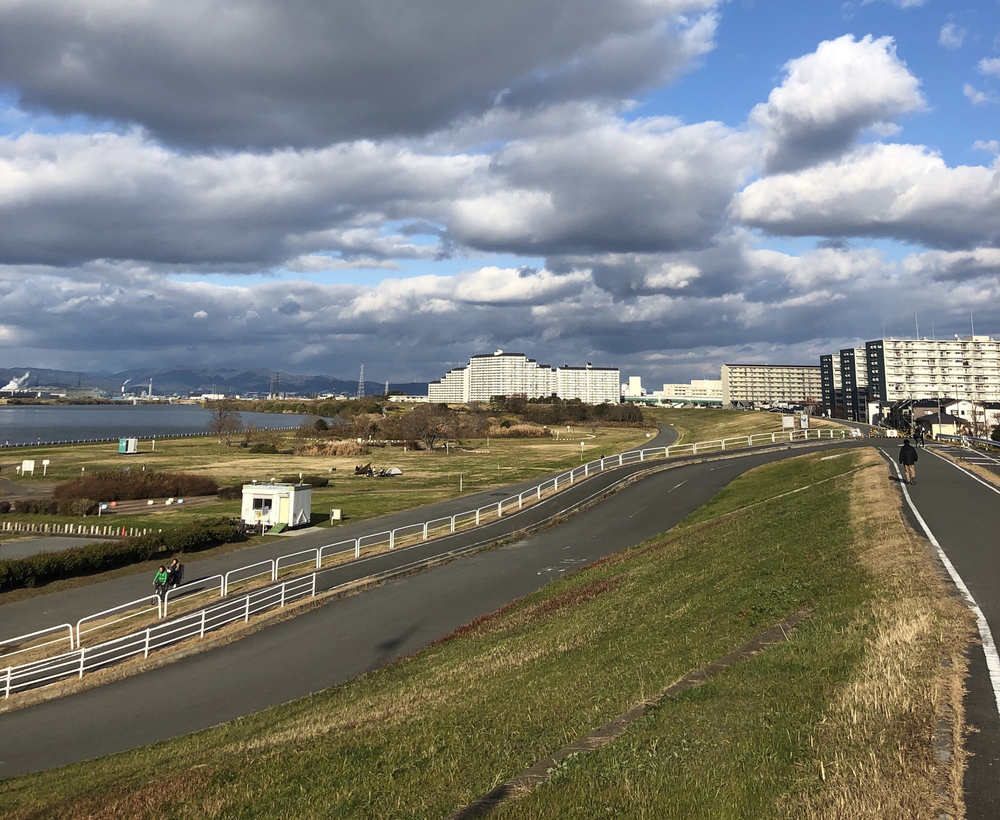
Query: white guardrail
[
  {"x": 968, "y": 441},
  {"x": 79, "y": 659}
]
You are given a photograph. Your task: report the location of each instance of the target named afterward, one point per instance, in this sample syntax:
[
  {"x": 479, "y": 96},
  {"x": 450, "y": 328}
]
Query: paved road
[
  {"x": 964, "y": 516},
  {"x": 23, "y": 547},
  {"x": 41, "y": 612},
  {"x": 347, "y": 637}
]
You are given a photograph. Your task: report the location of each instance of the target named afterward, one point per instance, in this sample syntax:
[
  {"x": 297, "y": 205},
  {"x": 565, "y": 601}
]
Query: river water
[{"x": 49, "y": 424}]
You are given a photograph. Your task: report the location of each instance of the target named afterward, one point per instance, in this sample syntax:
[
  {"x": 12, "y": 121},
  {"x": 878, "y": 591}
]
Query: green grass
[
  {"x": 423, "y": 736},
  {"x": 709, "y": 424}
]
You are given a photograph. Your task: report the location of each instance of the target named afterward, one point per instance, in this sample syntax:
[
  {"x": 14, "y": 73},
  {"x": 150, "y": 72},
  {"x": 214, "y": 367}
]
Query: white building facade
[
  {"x": 513, "y": 374},
  {"x": 966, "y": 368},
  {"x": 780, "y": 384}
]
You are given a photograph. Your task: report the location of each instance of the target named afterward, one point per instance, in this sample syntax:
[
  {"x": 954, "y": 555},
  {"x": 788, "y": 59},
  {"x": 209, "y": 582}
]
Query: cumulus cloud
[
  {"x": 992, "y": 146},
  {"x": 903, "y": 192},
  {"x": 310, "y": 72},
  {"x": 990, "y": 67},
  {"x": 830, "y": 96},
  {"x": 977, "y": 97},
  {"x": 951, "y": 36},
  {"x": 661, "y": 187}
]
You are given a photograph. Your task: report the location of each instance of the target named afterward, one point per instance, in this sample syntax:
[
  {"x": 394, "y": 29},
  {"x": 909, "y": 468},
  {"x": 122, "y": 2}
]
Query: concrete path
[
  {"x": 23, "y": 547},
  {"x": 347, "y": 637}
]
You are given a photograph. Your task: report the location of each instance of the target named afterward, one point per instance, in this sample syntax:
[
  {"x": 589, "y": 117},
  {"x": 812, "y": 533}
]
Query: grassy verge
[
  {"x": 836, "y": 723},
  {"x": 708, "y": 425}
]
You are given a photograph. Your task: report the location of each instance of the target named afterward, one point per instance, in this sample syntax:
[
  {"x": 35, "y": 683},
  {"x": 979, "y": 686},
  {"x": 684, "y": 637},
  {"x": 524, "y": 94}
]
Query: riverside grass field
[{"x": 837, "y": 722}]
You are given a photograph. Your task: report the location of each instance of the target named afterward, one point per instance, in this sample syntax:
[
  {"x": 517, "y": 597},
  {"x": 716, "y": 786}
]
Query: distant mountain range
[{"x": 182, "y": 381}]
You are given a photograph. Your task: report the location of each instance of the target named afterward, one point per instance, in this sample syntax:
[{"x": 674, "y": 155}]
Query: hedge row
[
  {"x": 121, "y": 485},
  {"x": 75, "y": 507},
  {"x": 45, "y": 567}
]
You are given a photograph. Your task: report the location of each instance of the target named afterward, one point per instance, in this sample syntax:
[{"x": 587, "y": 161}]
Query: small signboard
[{"x": 28, "y": 466}]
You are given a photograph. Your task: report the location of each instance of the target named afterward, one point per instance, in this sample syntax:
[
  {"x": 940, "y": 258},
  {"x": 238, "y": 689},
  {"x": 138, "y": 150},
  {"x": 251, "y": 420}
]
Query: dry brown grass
[
  {"x": 332, "y": 448},
  {"x": 879, "y": 733}
]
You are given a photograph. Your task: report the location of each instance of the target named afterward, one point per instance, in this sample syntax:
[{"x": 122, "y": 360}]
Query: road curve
[{"x": 349, "y": 636}]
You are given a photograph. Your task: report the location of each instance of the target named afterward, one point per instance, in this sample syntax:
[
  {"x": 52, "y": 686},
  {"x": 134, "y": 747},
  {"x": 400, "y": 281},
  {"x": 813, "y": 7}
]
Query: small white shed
[{"x": 271, "y": 504}]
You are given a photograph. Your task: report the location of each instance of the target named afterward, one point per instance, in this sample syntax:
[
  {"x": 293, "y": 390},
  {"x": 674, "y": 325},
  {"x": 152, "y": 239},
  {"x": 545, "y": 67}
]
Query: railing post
[
  {"x": 7, "y": 686},
  {"x": 274, "y": 571},
  {"x": 477, "y": 517},
  {"x": 201, "y": 630},
  {"x": 772, "y": 438},
  {"x": 453, "y": 523},
  {"x": 499, "y": 509},
  {"x": 145, "y": 649},
  {"x": 283, "y": 594},
  {"x": 520, "y": 501},
  {"x": 425, "y": 531},
  {"x": 357, "y": 547},
  {"x": 318, "y": 553},
  {"x": 555, "y": 484},
  {"x": 392, "y": 539},
  {"x": 82, "y": 650},
  {"x": 723, "y": 444},
  {"x": 314, "y": 585},
  {"x": 538, "y": 492},
  {"x": 620, "y": 462},
  {"x": 246, "y": 614},
  {"x": 586, "y": 469},
  {"x": 642, "y": 455}
]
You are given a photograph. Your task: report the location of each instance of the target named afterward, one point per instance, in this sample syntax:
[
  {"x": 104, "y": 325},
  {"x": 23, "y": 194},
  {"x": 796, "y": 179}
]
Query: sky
[{"x": 656, "y": 185}]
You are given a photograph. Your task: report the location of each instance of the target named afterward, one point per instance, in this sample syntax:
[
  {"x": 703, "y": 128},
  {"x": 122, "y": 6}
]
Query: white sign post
[
  {"x": 28, "y": 466},
  {"x": 45, "y": 466}
]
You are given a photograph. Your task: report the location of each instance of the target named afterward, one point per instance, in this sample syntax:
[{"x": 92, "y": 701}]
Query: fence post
[
  {"x": 642, "y": 455},
  {"x": 392, "y": 539},
  {"x": 246, "y": 615},
  {"x": 425, "y": 531},
  {"x": 318, "y": 559},
  {"x": 555, "y": 484},
  {"x": 283, "y": 594},
  {"x": 499, "y": 509},
  {"x": 314, "y": 585},
  {"x": 145, "y": 650},
  {"x": 201, "y": 630},
  {"x": 538, "y": 492},
  {"x": 82, "y": 650},
  {"x": 477, "y": 517},
  {"x": 453, "y": 523},
  {"x": 357, "y": 547},
  {"x": 7, "y": 687},
  {"x": 274, "y": 571},
  {"x": 586, "y": 469}
]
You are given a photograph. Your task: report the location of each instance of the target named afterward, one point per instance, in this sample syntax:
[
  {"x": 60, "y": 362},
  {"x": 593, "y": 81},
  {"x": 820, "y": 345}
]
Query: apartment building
[
  {"x": 964, "y": 368},
  {"x": 697, "y": 391},
  {"x": 854, "y": 382},
  {"x": 514, "y": 374},
  {"x": 760, "y": 384},
  {"x": 831, "y": 385}
]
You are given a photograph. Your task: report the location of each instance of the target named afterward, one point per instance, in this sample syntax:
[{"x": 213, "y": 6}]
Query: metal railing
[{"x": 182, "y": 627}]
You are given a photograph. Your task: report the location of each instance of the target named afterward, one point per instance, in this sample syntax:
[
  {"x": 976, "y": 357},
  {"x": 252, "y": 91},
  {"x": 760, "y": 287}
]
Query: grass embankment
[
  {"x": 708, "y": 424},
  {"x": 428, "y": 476},
  {"x": 836, "y": 723}
]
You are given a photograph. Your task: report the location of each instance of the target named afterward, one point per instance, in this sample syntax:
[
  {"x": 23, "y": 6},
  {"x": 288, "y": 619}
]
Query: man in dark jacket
[{"x": 908, "y": 458}]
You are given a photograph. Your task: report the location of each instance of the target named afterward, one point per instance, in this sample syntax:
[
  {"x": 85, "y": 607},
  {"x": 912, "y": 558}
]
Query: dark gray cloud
[{"x": 261, "y": 74}]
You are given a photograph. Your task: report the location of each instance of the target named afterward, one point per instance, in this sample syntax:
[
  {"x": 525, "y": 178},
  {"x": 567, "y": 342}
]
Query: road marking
[
  {"x": 677, "y": 485},
  {"x": 985, "y": 635}
]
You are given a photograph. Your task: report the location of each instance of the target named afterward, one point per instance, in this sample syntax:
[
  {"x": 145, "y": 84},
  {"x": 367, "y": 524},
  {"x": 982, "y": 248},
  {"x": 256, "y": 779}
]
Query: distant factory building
[{"x": 513, "y": 374}]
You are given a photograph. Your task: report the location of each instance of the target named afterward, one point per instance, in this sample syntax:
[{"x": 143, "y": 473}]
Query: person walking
[
  {"x": 908, "y": 460},
  {"x": 160, "y": 581},
  {"x": 175, "y": 572}
]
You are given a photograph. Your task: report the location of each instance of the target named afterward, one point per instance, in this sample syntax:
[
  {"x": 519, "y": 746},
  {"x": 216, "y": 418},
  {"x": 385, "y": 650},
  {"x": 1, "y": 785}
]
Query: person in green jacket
[{"x": 160, "y": 581}]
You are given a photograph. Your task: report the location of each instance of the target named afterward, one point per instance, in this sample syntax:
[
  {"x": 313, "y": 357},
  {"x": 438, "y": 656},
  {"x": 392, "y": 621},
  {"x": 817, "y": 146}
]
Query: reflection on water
[{"x": 30, "y": 424}]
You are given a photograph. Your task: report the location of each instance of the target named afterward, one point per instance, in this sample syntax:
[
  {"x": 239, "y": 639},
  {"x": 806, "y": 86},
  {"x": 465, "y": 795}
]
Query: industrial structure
[{"x": 513, "y": 374}]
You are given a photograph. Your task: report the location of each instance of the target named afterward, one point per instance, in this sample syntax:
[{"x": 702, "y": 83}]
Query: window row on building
[
  {"x": 513, "y": 374},
  {"x": 770, "y": 384}
]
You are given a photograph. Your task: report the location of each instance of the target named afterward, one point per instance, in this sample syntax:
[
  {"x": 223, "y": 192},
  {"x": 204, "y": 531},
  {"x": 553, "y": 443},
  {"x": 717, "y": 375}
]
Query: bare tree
[{"x": 226, "y": 420}]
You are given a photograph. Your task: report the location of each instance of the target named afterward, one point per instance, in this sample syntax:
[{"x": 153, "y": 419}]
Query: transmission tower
[
  {"x": 386, "y": 393},
  {"x": 361, "y": 383}
]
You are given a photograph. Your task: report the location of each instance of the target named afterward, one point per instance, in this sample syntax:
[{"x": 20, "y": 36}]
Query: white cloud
[
  {"x": 898, "y": 191},
  {"x": 951, "y": 36},
  {"x": 977, "y": 97},
  {"x": 991, "y": 146},
  {"x": 990, "y": 67},
  {"x": 200, "y": 314},
  {"x": 828, "y": 97}
]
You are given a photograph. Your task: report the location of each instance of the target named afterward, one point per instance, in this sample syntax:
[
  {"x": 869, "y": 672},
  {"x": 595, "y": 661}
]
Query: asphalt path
[
  {"x": 68, "y": 606},
  {"x": 352, "y": 635},
  {"x": 963, "y": 514}
]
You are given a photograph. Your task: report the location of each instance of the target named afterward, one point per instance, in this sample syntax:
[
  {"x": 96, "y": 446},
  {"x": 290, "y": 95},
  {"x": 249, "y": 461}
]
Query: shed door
[{"x": 283, "y": 517}]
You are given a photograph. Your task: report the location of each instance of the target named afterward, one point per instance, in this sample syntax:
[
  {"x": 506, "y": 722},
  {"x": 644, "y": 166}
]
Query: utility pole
[{"x": 361, "y": 383}]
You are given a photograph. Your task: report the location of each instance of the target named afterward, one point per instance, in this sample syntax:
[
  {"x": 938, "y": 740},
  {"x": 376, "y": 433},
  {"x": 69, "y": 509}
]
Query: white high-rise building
[
  {"x": 513, "y": 374},
  {"x": 757, "y": 384},
  {"x": 961, "y": 368}
]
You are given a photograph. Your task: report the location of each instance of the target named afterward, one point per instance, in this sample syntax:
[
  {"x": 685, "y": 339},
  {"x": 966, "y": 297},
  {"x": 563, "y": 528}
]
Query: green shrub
[
  {"x": 4, "y": 507},
  {"x": 263, "y": 449},
  {"x": 36, "y": 570},
  {"x": 314, "y": 480},
  {"x": 36, "y": 507},
  {"x": 78, "y": 507}
]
